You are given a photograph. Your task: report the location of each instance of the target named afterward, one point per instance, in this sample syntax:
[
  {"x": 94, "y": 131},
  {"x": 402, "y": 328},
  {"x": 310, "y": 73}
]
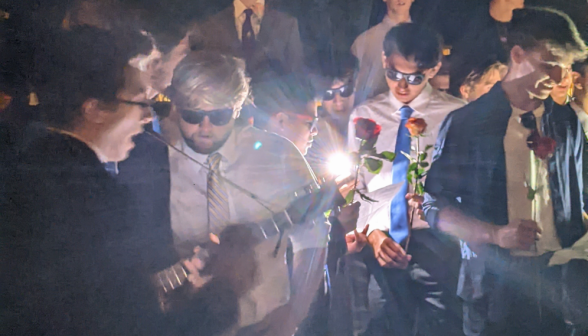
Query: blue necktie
[{"x": 398, "y": 208}]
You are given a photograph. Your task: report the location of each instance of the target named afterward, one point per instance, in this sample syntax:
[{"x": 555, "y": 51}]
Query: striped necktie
[
  {"x": 398, "y": 208},
  {"x": 218, "y": 202}
]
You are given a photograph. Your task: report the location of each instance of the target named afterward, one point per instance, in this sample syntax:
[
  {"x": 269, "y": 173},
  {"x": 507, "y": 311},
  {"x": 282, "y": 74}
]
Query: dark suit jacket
[
  {"x": 72, "y": 250},
  {"x": 469, "y": 168},
  {"x": 278, "y": 39}
]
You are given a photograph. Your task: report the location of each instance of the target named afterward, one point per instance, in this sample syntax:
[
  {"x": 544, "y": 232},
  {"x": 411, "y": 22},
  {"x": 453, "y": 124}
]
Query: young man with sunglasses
[
  {"x": 411, "y": 56},
  {"x": 286, "y": 107},
  {"x": 227, "y": 174},
  {"x": 507, "y": 179}
]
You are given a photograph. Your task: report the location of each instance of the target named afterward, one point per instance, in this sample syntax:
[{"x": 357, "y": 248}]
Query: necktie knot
[
  {"x": 248, "y": 12},
  {"x": 406, "y": 112},
  {"x": 214, "y": 160}
]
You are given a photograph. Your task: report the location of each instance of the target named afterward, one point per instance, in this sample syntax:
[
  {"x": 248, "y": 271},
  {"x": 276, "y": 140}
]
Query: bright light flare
[{"x": 339, "y": 165}]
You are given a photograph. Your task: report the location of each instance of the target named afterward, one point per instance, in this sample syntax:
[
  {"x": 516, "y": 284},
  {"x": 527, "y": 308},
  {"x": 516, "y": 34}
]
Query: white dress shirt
[
  {"x": 273, "y": 172},
  {"x": 256, "y": 17},
  {"x": 522, "y": 169},
  {"x": 384, "y": 109},
  {"x": 368, "y": 48}
]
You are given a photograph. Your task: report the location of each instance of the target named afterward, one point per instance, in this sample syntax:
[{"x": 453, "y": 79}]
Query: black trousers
[
  {"x": 525, "y": 297},
  {"x": 420, "y": 300}
]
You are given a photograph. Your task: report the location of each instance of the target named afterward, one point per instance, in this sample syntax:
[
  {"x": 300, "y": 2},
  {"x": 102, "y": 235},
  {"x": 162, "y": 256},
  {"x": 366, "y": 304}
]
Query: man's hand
[
  {"x": 194, "y": 265},
  {"x": 518, "y": 235},
  {"x": 348, "y": 216},
  {"x": 388, "y": 253},
  {"x": 416, "y": 202},
  {"x": 356, "y": 241}
]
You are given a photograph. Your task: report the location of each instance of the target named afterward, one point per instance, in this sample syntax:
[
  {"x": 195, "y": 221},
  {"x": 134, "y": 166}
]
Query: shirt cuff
[{"x": 310, "y": 236}]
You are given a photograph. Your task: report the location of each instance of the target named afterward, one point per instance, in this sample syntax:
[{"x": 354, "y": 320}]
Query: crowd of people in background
[{"x": 171, "y": 173}]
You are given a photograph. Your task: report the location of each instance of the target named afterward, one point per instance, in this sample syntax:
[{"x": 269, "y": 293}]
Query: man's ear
[
  {"x": 433, "y": 71},
  {"x": 92, "y": 112},
  {"x": 464, "y": 90},
  {"x": 517, "y": 54},
  {"x": 281, "y": 118}
]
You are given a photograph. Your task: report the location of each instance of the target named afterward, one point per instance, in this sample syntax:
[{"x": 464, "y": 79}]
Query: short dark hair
[
  {"x": 273, "y": 94},
  {"x": 414, "y": 41},
  {"x": 532, "y": 27},
  {"x": 77, "y": 65},
  {"x": 344, "y": 68}
]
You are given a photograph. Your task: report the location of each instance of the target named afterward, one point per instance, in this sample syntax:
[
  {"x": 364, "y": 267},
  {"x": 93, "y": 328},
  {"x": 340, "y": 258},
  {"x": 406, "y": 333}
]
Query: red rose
[
  {"x": 416, "y": 126},
  {"x": 543, "y": 147},
  {"x": 366, "y": 129}
]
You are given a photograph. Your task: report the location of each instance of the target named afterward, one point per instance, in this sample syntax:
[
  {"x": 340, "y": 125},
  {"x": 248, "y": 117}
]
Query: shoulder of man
[{"x": 367, "y": 107}]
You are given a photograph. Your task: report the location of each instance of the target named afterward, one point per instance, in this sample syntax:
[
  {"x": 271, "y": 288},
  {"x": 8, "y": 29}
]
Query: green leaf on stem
[
  {"x": 413, "y": 166},
  {"x": 427, "y": 147},
  {"x": 423, "y": 156},
  {"x": 328, "y": 213},
  {"x": 419, "y": 189},
  {"x": 407, "y": 155},
  {"x": 390, "y": 156},
  {"x": 420, "y": 172},
  {"x": 374, "y": 166},
  {"x": 424, "y": 164},
  {"x": 349, "y": 197},
  {"x": 410, "y": 177}
]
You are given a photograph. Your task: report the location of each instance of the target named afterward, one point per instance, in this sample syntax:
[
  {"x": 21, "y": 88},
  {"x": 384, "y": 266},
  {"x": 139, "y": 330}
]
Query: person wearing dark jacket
[
  {"x": 74, "y": 259},
  {"x": 507, "y": 180}
]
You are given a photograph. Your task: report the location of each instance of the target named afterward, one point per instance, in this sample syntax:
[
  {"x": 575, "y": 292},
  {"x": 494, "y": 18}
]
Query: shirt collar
[
  {"x": 387, "y": 21},
  {"x": 258, "y": 8},
  {"x": 419, "y": 104}
]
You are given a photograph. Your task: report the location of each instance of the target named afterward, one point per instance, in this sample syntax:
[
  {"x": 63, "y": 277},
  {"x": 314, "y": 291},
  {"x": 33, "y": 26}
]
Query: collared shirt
[
  {"x": 524, "y": 171},
  {"x": 271, "y": 168},
  {"x": 431, "y": 105},
  {"x": 258, "y": 11},
  {"x": 582, "y": 116},
  {"x": 368, "y": 48}
]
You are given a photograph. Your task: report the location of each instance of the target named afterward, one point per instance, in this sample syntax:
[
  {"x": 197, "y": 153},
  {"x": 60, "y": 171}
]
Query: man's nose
[
  {"x": 403, "y": 83},
  {"x": 205, "y": 124}
]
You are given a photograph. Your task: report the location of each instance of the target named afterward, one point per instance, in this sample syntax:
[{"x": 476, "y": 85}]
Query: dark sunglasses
[
  {"x": 529, "y": 122},
  {"x": 344, "y": 91},
  {"x": 219, "y": 117},
  {"x": 411, "y": 79},
  {"x": 144, "y": 105}
]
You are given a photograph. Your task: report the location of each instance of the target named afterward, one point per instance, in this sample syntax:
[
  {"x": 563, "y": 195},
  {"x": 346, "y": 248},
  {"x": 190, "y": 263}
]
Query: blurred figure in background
[
  {"x": 254, "y": 31},
  {"x": 580, "y": 101},
  {"x": 441, "y": 80},
  {"x": 367, "y": 48},
  {"x": 481, "y": 80},
  {"x": 485, "y": 37},
  {"x": 337, "y": 105}
]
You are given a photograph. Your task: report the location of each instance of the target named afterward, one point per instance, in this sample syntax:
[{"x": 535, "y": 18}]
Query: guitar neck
[{"x": 171, "y": 278}]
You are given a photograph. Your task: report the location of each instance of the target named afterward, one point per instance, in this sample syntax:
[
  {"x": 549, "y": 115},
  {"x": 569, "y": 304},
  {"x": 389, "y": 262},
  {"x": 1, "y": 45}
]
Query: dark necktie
[
  {"x": 398, "y": 207},
  {"x": 218, "y": 204},
  {"x": 248, "y": 35}
]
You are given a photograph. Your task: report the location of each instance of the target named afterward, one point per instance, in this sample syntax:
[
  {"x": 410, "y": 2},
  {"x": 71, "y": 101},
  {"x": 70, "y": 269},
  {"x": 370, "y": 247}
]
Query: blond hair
[{"x": 209, "y": 78}]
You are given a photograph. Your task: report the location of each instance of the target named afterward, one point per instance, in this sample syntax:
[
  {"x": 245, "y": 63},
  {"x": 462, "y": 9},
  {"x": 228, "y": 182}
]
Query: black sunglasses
[
  {"x": 218, "y": 117},
  {"x": 411, "y": 79},
  {"x": 529, "y": 122},
  {"x": 344, "y": 91}
]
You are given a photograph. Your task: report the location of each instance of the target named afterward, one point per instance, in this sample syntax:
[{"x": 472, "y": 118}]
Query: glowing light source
[
  {"x": 257, "y": 145},
  {"x": 339, "y": 165}
]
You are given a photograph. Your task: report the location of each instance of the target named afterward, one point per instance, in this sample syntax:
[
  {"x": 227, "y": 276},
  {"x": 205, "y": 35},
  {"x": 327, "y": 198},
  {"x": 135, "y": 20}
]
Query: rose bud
[
  {"x": 416, "y": 126},
  {"x": 544, "y": 147},
  {"x": 366, "y": 129}
]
